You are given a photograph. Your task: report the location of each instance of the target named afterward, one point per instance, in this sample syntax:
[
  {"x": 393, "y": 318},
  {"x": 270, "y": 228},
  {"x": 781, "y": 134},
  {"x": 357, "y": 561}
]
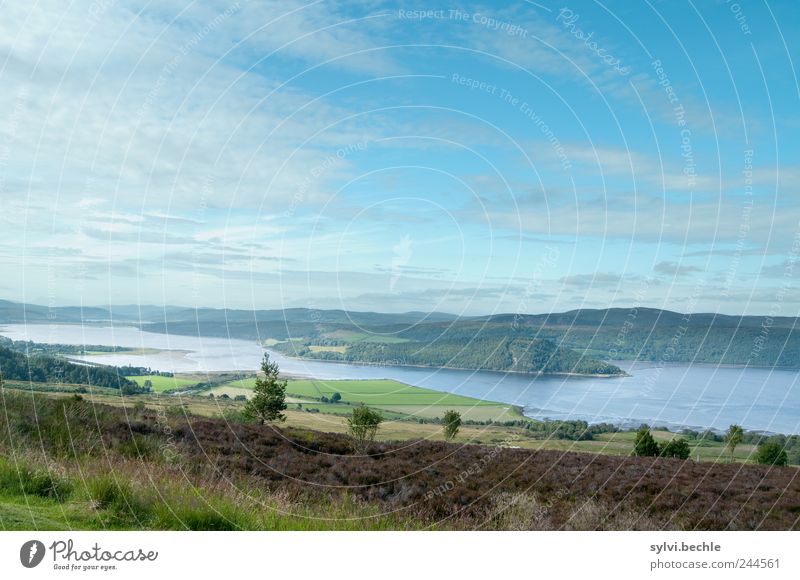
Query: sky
[{"x": 459, "y": 157}]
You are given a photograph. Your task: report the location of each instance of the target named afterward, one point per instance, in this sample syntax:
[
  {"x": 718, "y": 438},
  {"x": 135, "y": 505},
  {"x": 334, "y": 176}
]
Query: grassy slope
[
  {"x": 89, "y": 466},
  {"x": 391, "y": 396},
  {"x": 397, "y": 430},
  {"x": 161, "y": 383},
  {"x": 394, "y": 430}
]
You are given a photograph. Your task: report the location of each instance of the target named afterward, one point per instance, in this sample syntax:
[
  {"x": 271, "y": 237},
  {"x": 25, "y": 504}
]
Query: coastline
[{"x": 623, "y": 374}]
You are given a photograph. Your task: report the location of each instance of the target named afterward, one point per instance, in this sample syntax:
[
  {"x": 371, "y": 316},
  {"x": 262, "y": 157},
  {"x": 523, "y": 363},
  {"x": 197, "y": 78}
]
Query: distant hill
[{"x": 647, "y": 334}]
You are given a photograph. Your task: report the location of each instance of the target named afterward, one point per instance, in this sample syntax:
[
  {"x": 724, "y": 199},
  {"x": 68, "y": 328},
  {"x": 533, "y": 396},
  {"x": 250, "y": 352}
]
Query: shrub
[
  {"x": 644, "y": 445},
  {"x": 452, "y": 422},
  {"x": 41, "y": 483},
  {"x": 677, "y": 448},
  {"x": 138, "y": 447},
  {"x": 771, "y": 453},
  {"x": 362, "y": 425},
  {"x": 234, "y": 415}
]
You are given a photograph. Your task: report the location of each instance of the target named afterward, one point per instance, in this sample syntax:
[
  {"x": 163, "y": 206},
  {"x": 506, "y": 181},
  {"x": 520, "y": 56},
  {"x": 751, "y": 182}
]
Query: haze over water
[{"x": 676, "y": 394}]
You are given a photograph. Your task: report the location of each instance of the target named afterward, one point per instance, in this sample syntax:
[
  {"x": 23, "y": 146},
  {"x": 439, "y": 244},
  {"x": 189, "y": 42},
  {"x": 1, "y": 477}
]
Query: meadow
[
  {"x": 162, "y": 383},
  {"x": 395, "y": 398}
]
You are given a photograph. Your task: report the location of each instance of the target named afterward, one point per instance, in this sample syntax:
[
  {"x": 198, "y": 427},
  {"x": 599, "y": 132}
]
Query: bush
[
  {"x": 452, "y": 422},
  {"x": 771, "y": 453},
  {"x": 109, "y": 493},
  {"x": 237, "y": 416},
  {"x": 138, "y": 447},
  {"x": 122, "y": 506},
  {"x": 23, "y": 481},
  {"x": 175, "y": 411},
  {"x": 644, "y": 445},
  {"x": 677, "y": 448},
  {"x": 362, "y": 425}
]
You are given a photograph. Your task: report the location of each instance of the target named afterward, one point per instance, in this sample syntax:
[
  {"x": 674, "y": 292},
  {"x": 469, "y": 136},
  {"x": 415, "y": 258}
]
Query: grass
[
  {"x": 355, "y": 336},
  {"x": 122, "y": 500},
  {"x": 330, "y": 418},
  {"x": 395, "y": 398},
  {"x": 67, "y": 462},
  {"x": 319, "y": 348},
  {"x": 162, "y": 383}
]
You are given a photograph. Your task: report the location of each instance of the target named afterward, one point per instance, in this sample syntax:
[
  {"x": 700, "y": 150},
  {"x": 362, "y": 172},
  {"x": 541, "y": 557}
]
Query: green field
[
  {"x": 355, "y": 336},
  {"x": 395, "y": 398},
  {"x": 318, "y": 348},
  {"x": 161, "y": 383}
]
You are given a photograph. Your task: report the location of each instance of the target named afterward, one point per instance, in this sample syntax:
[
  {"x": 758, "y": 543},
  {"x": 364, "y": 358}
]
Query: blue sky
[{"x": 469, "y": 158}]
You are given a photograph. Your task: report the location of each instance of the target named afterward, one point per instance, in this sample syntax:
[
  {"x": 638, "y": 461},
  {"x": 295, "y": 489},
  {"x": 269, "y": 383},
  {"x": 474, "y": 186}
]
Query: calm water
[{"x": 674, "y": 395}]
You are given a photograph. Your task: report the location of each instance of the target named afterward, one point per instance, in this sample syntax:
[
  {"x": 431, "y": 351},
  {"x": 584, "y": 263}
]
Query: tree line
[
  {"x": 496, "y": 354},
  {"x": 48, "y": 369}
]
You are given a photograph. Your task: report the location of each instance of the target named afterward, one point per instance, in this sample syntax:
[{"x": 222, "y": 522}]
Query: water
[{"x": 699, "y": 396}]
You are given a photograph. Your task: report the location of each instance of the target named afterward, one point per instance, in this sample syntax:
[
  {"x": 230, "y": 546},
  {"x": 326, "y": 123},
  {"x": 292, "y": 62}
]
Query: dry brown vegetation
[{"x": 420, "y": 483}]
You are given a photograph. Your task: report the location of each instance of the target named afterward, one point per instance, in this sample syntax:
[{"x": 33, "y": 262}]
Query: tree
[
  {"x": 678, "y": 448},
  {"x": 733, "y": 437},
  {"x": 771, "y": 453},
  {"x": 269, "y": 395},
  {"x": 644, "y": 445},
  {"x": 362, "y": 425},
  {"x": 336, "y": 397},
  {"x": 452, "y": 422},
  {"x": 148, "y": 384}
]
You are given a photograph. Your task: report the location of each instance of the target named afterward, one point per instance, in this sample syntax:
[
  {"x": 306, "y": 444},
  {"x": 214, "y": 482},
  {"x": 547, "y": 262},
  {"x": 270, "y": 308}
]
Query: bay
[{"x": 674, "y": 395}]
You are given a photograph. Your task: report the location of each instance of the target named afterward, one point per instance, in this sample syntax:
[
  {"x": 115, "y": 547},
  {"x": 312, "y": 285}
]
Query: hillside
[
  {"x": 42, "y": 368},
  {"x": 607, "y": 334},
  {"x": 268, "y": 477},
  {"x": 500, "y": 354}
]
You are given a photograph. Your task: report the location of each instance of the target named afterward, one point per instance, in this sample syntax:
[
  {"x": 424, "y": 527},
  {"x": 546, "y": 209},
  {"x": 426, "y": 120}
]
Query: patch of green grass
[
  {"x": 121, "y": 500},
  {"x": 161, "y": 383},
  {"x": 355, "y": 336},
  {"x": 378, "y": 392},
  {"x": 21, "y": 480},
  {"x": 395, "y": 399},
  {"x": 320, "y": 348}
]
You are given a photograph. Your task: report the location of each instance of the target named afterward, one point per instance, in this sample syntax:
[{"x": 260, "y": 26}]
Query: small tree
[
  {"x": 771, "y": 453},
  {"x": 678, "y": 448},
  {"x": 336, "y": 397},
  {"x": 362, "y": 425},
  {"x": 452, "y": 422},
  {"x": 644, "y": 445},
  {"x": 269, "y": 395},
  {"x": 733, "y": 437},
  {"x": 148, "y": 384}
]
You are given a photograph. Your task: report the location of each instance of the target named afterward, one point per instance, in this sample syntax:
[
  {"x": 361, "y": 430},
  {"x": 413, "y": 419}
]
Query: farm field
[
  {"x": 162, "y": 383},
  {"x": 355, "y": 336},
  {"x": 319, "y": 348},
  {"x": 391, "y": 396}
]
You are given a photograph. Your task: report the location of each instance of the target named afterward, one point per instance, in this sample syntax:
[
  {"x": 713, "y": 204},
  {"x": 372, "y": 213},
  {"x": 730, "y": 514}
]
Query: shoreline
[{"x": 623, "y": 374}]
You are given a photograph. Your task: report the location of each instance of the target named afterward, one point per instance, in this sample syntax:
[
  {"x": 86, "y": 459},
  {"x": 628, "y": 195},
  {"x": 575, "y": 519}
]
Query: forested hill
[
  {"x": 48, "y": 369},
  {"x": 505, "y": 354},
  {"x": 606, "y": 334}
]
